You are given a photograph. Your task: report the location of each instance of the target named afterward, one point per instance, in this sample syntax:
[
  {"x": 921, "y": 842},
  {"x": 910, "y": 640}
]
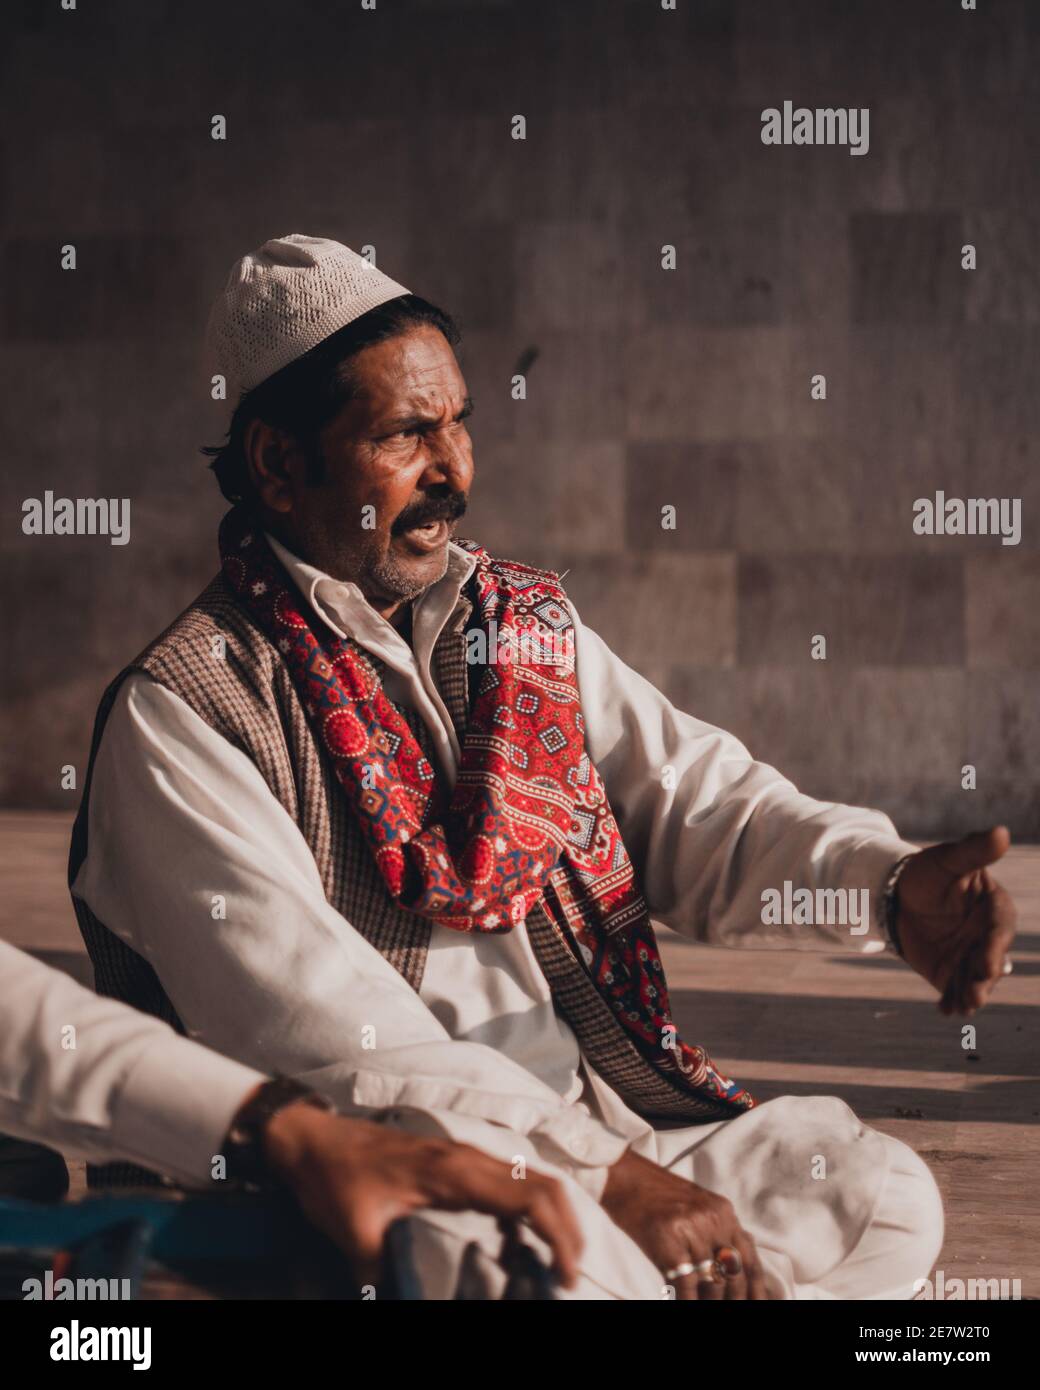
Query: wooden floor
[{"x": 863, "y": 1028}]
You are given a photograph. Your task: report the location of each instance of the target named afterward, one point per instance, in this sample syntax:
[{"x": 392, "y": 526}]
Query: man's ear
[{"x": 273, "y": 458}]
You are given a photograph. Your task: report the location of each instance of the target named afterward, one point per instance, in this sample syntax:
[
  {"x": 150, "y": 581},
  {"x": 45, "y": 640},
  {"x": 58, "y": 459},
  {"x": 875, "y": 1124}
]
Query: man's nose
[{"x": 449, "y": 460}]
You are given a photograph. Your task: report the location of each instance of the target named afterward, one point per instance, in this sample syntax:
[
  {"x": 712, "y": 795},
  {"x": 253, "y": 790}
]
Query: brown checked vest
[{"x": 217, "y": 660}]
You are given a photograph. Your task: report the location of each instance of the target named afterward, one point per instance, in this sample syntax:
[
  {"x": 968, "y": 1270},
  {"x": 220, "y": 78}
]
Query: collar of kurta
[
  {"x": 528, "y": 821},
  {"x": 344, "y": 608}
]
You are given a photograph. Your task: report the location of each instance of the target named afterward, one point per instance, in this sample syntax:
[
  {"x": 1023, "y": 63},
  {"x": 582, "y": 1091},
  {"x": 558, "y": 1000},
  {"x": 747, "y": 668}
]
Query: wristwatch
[{"x": 243, "y": 1144}]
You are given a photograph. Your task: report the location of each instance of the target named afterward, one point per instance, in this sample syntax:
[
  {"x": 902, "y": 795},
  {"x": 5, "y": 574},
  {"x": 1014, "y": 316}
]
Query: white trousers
[{"x": 837, "y": 1210}]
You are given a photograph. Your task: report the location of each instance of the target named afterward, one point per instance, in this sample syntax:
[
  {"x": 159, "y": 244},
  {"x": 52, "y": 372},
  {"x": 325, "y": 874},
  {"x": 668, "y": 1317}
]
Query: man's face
[{"x": 398, "y": 462}]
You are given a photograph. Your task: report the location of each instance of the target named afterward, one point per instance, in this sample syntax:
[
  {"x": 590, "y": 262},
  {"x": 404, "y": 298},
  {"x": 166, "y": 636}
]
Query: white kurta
[
  {"x": 132, "y": 1089},
  {"x": 180, "y": 818},
  {"x": 101, "y": 1081}
]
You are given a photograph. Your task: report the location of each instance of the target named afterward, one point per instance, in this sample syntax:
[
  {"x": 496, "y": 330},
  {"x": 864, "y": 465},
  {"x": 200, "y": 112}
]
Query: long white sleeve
[
  {"x": 195, "y": 865},
  {"x": 101, "y": 1081},
  {"x": 709, "y": 829}
]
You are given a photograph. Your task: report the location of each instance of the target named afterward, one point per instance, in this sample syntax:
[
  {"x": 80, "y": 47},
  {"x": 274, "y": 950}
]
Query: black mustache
[{"x": 443, "y": 509}]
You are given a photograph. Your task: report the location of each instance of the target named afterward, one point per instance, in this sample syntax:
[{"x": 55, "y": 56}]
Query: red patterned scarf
[{"x": 528, "y": 820}]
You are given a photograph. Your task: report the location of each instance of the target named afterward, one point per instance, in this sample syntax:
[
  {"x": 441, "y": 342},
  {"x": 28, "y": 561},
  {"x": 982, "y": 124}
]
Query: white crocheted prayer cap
[{"x": 284, "y": 299}]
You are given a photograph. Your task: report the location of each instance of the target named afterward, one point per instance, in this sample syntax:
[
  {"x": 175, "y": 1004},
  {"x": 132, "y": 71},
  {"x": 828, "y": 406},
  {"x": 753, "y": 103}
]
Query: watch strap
[{"x": 243, "y": 1144}]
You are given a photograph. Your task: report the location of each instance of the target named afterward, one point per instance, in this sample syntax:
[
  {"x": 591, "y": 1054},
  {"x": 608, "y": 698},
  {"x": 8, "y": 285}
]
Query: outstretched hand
[{"x": 955, "y": 922}]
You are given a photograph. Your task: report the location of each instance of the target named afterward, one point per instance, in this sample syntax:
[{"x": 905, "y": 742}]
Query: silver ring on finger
[{"x": 680, "y": 1271}]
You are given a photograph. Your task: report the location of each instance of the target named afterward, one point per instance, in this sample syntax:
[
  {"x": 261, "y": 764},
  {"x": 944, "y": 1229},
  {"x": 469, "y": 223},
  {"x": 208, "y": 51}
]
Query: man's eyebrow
[{"x": 416, "y": 422}]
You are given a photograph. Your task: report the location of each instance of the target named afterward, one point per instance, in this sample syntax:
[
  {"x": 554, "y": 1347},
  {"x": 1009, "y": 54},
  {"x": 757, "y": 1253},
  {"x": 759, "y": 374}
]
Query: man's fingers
[
  {"x": 679, "y": 1251},
  {"x": 486, "y": 1184},
  {"x": 982, "y": 964},
  {"x": 709, "y": 1289},
  {"x": 685, "y": 1288},
  {"x": 950, "y": 1002},
  {"x": 550, "y": 1215},
  {"x": 752, "y": 1286},
  {"x": 1000, "y": 933},
  {"x": 970, "y": 986},
  {"x": 984, "y": 975},
  {"x": 994, "y": 956},
  {"x": 734, "y": 1286},
  {"x": 959, "y": 858},
  {"x": 757, "y": 1284},
  {"x": 963, "y": 993},
  {"x": 359, "y": 1228},
  {"x": 697, "y": 1285}
]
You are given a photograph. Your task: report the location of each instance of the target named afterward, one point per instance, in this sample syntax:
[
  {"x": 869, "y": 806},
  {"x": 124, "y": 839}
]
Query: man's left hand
[{"x": 955, "y": 922}]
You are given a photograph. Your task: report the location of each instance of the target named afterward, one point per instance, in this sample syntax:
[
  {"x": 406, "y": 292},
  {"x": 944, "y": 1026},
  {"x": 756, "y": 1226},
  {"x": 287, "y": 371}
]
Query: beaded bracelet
[{"x": 890, "y": 906}]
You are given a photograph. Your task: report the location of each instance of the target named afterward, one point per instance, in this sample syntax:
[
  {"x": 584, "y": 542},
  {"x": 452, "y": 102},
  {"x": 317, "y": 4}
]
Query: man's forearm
[
  {"x": 715, "y": 834},
  {"x": 101, "y": 1081}
]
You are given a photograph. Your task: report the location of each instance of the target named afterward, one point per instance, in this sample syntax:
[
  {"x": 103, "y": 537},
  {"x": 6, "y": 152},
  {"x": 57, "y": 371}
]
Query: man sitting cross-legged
[{"x": 333, "y": 832}]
